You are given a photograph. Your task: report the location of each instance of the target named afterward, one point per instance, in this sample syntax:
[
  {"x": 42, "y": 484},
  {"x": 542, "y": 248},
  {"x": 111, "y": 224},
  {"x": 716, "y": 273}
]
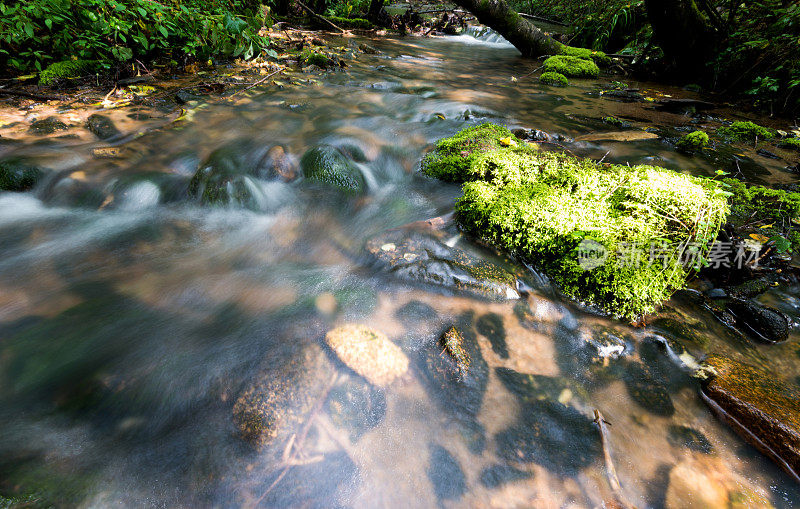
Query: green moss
[
  {"x": 746, "y": 131},
  {"x": 66, "y": 69},
  {"x": 765, "y": 211},
  {"x": 554, "y": 78},
  {"x": 616, "y": 122},
  {"x": 571, "y": 67},
  {"x": 598, "y": 57},
  {"x": 350, "y": 23},
  {"x": 454, "y": 156},
  {"x": 790, "y": 143},
  {"x": 544, "y": 206},
  {"x": 693, "y": 142},
  {"x": 311, "y": 57}
]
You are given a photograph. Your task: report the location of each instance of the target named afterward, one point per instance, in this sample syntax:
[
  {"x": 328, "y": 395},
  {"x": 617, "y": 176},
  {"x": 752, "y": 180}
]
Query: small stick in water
[{"x": 611, "y": 472}]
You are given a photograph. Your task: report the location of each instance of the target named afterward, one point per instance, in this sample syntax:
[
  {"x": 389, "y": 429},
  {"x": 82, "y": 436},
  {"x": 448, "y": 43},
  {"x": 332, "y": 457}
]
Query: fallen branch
[
  {"x": 318, "y": 17},
  {"x": 611, "y": 472},
  {"x": 262, "y": 80}
]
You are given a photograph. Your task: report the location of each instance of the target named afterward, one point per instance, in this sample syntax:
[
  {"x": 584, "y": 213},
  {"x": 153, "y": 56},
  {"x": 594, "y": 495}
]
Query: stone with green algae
[
  {"x": 598, "y": 57},
  {"x": 571, "y": 66},
  {"x": 586, "y": 225},
  {"x": 746, "y": 131},
  {"x": 757, "y": 405},
  {"x": 553, "y": 78},
  {"x": 693, "y": 142}
]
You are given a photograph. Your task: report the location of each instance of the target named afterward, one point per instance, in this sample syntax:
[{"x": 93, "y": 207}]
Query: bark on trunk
[
  {"x": 496, "y": 14},
  {"x": 687, "y": 38}
]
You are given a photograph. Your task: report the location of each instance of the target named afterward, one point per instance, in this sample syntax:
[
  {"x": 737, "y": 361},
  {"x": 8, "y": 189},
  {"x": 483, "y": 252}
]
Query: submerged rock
[
  {"x": 277, "y": 163},
  {"x": 529, "y": 387},
  {"x": 648, "y": 391},
  {"x": 102, "y": 127},
  {"x": 446, "y": 475},
  {"x": 456, "y": 382},
  {"x": 281, "y": 396},
  {"x": 327, "y": 165},
  {"x": 368, "y": 352},
  {"x": 558, "y": 437},
  {"x": 48, "y": 125},
  {"x": 758, "y": 406},
  {"x": 222, "y": 180},
  {"x": 692, "y": 487},
  {"x": 424, "y": 257},
  {"x": 762, "y": 322},
  {"x": 356, "y": 406},
  {"x": 414, "y": 313},
  {"x": 491, "y": 326},
  {"x": 16, "y": 175},
  {"x": 684, "y": 436}
]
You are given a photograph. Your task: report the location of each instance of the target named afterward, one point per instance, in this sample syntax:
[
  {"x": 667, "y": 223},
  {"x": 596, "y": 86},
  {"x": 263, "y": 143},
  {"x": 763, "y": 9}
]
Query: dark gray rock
[
  {"x": 102, "y": 127},
  {"x": 327, "y": 165}
]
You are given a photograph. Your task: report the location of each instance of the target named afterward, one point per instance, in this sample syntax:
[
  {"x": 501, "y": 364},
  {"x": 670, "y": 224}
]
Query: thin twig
[
  {"x": 611, "y": 472},
  {"x": 262, "y": 80},
  {"x": 317, "y": 16}
]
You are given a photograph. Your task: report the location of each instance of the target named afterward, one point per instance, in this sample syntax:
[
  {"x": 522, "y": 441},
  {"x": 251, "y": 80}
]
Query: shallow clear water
[{"x": 128, "y": 327}]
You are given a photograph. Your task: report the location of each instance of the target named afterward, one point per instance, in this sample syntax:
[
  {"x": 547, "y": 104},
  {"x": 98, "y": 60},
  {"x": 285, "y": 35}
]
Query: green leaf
[
  {"x": 163, "y": 31},
  {"x": 48, "y": 23},
  {"x": 234, "y": 25},
  {"x": 782, "y": 244}
]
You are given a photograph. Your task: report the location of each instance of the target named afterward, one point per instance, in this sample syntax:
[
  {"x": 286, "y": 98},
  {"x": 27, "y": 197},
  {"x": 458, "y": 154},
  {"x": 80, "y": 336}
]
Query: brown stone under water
[{"x": 764, "y": 411}]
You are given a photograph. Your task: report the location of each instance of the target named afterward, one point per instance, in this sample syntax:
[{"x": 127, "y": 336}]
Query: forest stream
[{"x": 134, "y": 316}]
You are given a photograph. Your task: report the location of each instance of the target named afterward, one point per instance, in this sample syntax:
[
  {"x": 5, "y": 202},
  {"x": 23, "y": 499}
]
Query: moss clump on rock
[
  {"x": 746, "y": 131},
  {"x": 598, "y": 57},
  {"x": 454, "y": 156},
  {"x": 571, "y": 67},
  {"x": 16, "y": 175},
  {"x": 66, "y": 69},
  {"x": 554, "y": 78},
  {"x": 350, "y": 23},
  {"x": 310, "y": 57},
  {"x": 327, "y": 165},
  {"x": 765, "y": 211},
  {"x": 581, "y": 222},
  {"x": 693, "y": 142},
  {"x": 790, "y": 143}
]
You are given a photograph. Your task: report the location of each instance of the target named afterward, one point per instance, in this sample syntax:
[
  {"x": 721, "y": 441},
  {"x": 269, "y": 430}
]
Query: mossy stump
[{"x": 613, "y": 236}]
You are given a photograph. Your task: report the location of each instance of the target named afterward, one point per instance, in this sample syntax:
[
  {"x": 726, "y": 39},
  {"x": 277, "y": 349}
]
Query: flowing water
[{"x": 129, "y": 326}]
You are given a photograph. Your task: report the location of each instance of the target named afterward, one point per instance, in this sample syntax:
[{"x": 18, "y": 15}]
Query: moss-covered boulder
[
  {"x": 327, "y": 165},
  {"x": 598, "y": 57},
  {"x": 591, "y": 227},
  {"x": 350, "y": 23},
  {"x": 16, "y": 175},
  {"x": 763, "y": 410},
  {"x": 693, "y": 142},
  {"x": 47, "y": 125},
  {"x": 311, "y": 57},
  {"x": 553, "y": 78},
  {"x": 66, "y": 69},
  {"x": 222, "y": 179},
  {"x": 746, "y": 131},
  {"x": 102, "y": 127},
  {"x": 790, "y": 144},
  {"x": 571, "y": 67}
]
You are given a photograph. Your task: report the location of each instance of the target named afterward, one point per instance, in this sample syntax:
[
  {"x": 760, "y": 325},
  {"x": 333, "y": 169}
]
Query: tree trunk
[
  {"x": 687, "y": 38},
  {"x": 375, "y": 7},
  {"x": 496, "y": 14}
]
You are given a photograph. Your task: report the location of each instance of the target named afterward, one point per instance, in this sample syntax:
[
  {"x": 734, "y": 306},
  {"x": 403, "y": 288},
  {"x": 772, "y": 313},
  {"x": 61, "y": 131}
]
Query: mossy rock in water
[
  {"x": 222, "y": 180},
  {"x": 684, "y": 436},
  {"x": 66, "y": 69},
  {"x": 755, "y": 403},
  {"x": 752, "y": 207},
  {"x": 350, "y": 23},
  {"x": 571, "y": 67},
  {"x": 281, "y": 395},
  {"x": 558, "y": 437},
  {"x": 456, "y": 385},
  {"x": 648, "y": 391},
  {"x": 16, "y": 175},
  {"x": 598, "y": 57},
  {"x": 693, "y": 142},
  {"x": 530, "y": 387},
  {"x": 454, "y": 156},
  {"x": 582, "y": 222},
  {"x": 790, "y": 144},
  {"x": 616, "y": 122},
  {"x": 746, "y": 131},
  {"x": 102, "y": 127},
  {"x": 553, "y": 78},
  {"x": 47, "y": 125},
  {"x": 310, "y": 57},
  {"x": 327, "y": 165}
]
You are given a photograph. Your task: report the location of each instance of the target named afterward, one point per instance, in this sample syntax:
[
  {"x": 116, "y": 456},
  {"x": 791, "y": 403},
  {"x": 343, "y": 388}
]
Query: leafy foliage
[{"x": 36, "y": 33}]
